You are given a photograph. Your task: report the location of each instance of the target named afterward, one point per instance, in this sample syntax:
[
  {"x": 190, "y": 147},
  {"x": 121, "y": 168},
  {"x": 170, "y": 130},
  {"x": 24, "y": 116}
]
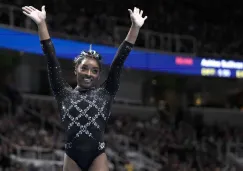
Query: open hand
[
  {"x": 136, "y": 17},
  {"x": 36, "y": 15}
]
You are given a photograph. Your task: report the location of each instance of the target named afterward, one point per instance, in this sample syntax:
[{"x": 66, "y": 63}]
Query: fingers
[
  {"x": 145, "y": 17},
  {"x": 25, "y": 13},
  {"x": 27, "y": 9},
  {"x": 130, "y": 11},
  {"x": 136, "y": 11},
  {"x": 43, "y": 8},
  {"x": 32, "y": 8}
]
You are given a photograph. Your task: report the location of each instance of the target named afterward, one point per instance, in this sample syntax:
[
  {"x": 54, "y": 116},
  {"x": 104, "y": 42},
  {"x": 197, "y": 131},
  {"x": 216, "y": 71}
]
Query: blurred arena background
[{"x": 179, "y": 107}]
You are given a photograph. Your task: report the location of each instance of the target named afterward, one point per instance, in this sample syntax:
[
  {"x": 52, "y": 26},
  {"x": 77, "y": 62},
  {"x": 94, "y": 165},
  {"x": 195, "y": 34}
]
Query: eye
[
  {"x": 95, "y": 71},
  {"x": 83, "y": 68}
]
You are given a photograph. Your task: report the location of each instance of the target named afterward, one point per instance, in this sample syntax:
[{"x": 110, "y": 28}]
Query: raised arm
[
  {"x": 113, "y": 80},
  {"x": 57, "y": 83}
]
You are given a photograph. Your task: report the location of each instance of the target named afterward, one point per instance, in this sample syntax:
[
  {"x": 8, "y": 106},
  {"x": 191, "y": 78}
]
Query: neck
[{"x": 79, "y": 88}]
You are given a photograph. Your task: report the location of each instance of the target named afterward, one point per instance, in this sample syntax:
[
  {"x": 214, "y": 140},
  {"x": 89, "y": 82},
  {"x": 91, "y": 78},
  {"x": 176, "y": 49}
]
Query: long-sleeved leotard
[{"x": 84, "y": 114}]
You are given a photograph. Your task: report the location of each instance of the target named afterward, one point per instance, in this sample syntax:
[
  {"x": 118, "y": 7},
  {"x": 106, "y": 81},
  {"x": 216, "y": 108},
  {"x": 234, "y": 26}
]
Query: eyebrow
[{"x": 88, "y": 66}]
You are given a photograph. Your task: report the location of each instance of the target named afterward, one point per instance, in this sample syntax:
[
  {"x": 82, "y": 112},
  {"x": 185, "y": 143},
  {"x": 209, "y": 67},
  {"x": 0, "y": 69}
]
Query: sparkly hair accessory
[
  {"x": 90, "y": 53},
  {"x": 90, "y": 47}
]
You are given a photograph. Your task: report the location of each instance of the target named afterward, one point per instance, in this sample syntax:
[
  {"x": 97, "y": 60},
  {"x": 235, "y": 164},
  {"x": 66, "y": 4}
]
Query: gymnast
[{"x": 84, "y": 110}]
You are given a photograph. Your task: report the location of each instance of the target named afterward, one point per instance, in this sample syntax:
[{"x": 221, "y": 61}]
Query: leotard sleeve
[
  {"x": 113, "y": 79},
  {"x": 57, "y": 83}
]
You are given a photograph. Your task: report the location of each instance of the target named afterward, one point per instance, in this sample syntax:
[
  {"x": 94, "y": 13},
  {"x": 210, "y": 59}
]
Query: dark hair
[{"x": 88, "y": 54}]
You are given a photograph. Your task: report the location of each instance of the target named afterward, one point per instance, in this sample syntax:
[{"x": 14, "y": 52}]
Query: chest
[{"x": 91, "y": 103}]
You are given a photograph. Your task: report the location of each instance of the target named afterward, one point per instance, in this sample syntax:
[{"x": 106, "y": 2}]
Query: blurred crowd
[
  {"x": 5, "y": 161},
  {"x": 216, "y": 25},
  {"x": 24, "y": 130},
  {"x": 181, "y": 145}
]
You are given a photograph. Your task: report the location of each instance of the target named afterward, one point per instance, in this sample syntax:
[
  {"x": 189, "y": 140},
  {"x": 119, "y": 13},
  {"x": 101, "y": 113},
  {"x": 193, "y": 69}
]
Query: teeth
[{"x": 87, "y": 79}]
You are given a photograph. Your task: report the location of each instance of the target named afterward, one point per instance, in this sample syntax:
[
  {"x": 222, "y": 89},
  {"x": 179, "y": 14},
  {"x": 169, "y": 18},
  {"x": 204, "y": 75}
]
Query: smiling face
[{"x": 87, "y": 72}]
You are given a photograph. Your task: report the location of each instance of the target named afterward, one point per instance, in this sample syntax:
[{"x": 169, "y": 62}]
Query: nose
[{"x": 88, "y": 73}]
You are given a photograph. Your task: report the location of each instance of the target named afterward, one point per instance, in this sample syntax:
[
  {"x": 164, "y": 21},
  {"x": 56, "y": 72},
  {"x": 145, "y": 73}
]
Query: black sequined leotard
[{"x": 84, "y": 113}]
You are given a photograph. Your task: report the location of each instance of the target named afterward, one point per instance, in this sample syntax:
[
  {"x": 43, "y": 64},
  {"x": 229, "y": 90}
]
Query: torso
[{"x": 84, "y": 115}]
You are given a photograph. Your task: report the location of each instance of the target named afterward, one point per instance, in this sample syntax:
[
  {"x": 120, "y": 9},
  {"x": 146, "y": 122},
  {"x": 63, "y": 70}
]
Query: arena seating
[
  {"x": 33, "y": 136},
  {"x": 148, "y": 145}
]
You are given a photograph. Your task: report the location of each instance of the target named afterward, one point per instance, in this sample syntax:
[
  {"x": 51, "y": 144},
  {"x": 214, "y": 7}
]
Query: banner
[{"x": 138, "y": 59}]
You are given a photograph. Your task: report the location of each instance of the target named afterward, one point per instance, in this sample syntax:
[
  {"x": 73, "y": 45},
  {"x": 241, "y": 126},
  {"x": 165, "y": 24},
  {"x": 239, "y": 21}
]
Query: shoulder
[
  {"x": 64, "y": 93},
  {"x": 102, "y": 91}
]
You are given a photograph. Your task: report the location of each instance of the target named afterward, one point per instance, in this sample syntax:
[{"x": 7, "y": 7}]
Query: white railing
[
  {"x": 34, "y": 152},
  {"x": 123, "y": 143},
  {"x": 161, "y": 42},
  {"x": 126, "y": 141},
  {"x": 33, "y": 155}
]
